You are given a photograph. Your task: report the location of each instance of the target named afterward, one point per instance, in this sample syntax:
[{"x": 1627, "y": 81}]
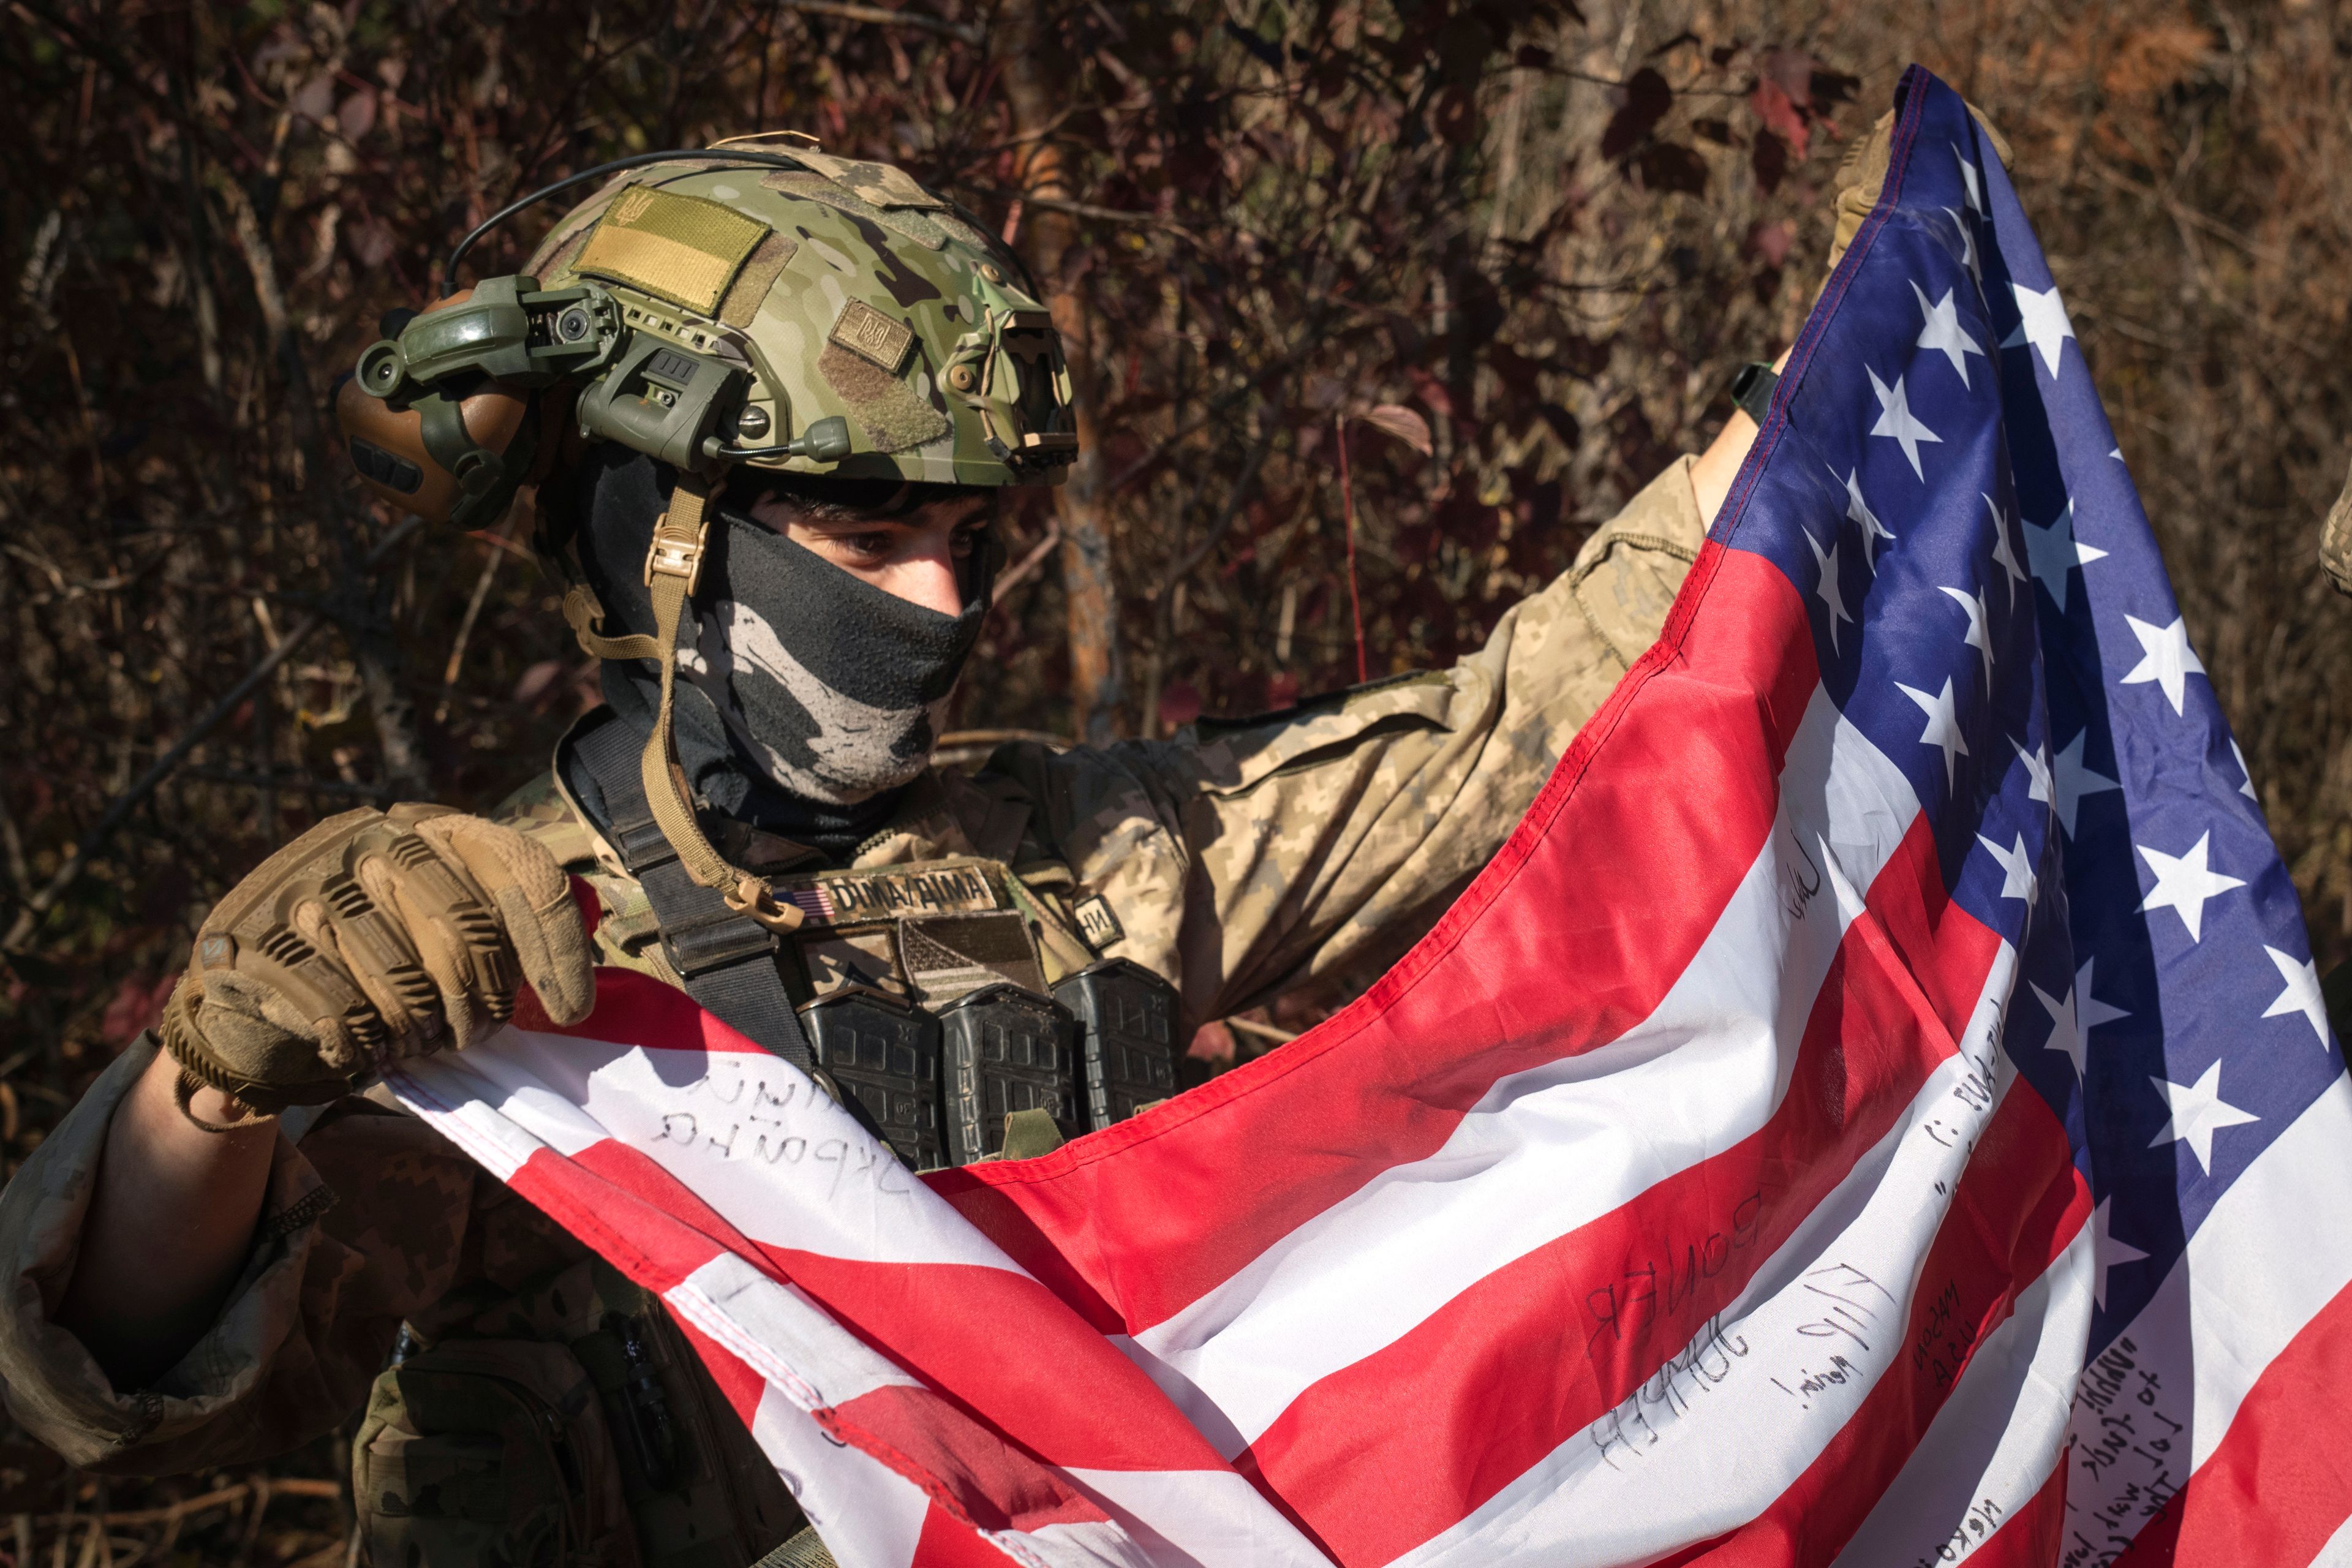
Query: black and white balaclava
[{"x": 806, "y": 697}]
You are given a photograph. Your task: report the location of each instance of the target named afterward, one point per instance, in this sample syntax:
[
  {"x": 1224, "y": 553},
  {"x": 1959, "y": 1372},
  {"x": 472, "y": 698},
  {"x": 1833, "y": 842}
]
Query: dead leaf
[
  {"x": 1647, "y": 99},
  {"x": 1780, "y": 115},
  {"x": 1404, "y": 424}
]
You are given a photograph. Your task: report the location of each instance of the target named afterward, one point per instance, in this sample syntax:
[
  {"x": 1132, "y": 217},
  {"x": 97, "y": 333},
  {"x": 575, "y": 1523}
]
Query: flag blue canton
[{"x": 1990, "y": 611}]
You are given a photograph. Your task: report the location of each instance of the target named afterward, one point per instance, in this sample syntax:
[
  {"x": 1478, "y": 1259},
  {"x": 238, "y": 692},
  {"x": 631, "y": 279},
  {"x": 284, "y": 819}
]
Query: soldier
[{"x": 233, "y": 1242}]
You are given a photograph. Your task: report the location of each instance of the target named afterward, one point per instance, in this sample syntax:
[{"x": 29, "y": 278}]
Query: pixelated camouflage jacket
[{"x": 1237, "y": 862}]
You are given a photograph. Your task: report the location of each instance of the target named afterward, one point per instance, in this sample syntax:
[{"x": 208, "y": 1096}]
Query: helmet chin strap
[{"x": 673, "y": 567}]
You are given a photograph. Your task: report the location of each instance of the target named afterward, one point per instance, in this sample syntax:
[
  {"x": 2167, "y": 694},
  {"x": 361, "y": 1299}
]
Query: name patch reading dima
[{"x": 850, "y": 898}]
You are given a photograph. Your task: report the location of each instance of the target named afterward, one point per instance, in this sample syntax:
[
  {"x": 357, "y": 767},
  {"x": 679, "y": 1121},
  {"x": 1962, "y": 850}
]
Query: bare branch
[
  {"x": 883, "y": 16},
  {"x": 28, "y": 918}
]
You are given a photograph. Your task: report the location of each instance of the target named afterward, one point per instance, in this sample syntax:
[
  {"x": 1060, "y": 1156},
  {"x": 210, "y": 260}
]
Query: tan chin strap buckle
[{"x": 677, "y": 550}]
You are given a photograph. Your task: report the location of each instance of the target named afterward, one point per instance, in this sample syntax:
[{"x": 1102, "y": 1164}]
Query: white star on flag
[
  {"x": 2197, "y": 1112},
  {"x": 1858, "y": 509},
  {"x": 1829, "y": 592},
  {"x": 2088, "y": 1009},
  {"x": 1944, "y": 333},
  {"x": 2106, "y": 1252},
  {"x": 2302, "y": 994},
  {"x": 2075, "y": 781},
  {"x": 2166, "y": 659},
  {"x": 2016, "y": 877},
  {"x": 2072, "y": 1020},
  {"x": 1976, "y": 635},
  {"x": 1897, "y": 422},
  {"x": 2065, "y": 1033},
  {"x": 2183, "y": 884},
  {"x": 2247, "y": 788},
  {"x": 2037, "y": 769},
  {"x": 1943, "y": 729},
  {"x": 2004, "y": 556},
  {"x": 2042, "y": 321},
  {"x": 1969, "y": 176},
  {"x": 2053, "y": 550},
  {"x": 1968, "y": 241}
]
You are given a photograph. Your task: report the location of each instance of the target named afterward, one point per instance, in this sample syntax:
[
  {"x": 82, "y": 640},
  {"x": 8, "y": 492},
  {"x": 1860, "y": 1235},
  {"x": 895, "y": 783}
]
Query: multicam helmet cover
[{"x": 844, "y": 289}]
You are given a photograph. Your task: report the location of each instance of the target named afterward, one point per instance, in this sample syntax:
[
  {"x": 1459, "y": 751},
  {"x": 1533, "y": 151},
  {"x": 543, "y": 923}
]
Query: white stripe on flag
[
  {"x": 749, "y": 1133},
  {"x": 1553, "y": 1148},
  {"x": 1780, "y": 1372},
  {"x": 782, "y": 1334},
  {"x": 866, "y": 1513},
  {"x": 1209, "y": 1517},
  {"x": 465, "y": 1095}
]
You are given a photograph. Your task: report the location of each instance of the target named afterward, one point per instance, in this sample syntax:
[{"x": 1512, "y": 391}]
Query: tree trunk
[{"x": 1034, "y": 65}]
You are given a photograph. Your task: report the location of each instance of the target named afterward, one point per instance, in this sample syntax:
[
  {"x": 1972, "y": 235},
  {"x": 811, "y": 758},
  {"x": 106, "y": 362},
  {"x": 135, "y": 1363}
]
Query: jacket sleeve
[
  {"x": 363, "y": 1225},
  {"x": 1243, "y": 860}
]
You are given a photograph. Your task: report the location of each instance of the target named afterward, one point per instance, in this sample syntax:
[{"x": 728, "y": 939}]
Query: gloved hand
[
  {"x": 1862, "y": 176},
  {"x": 2335, "y": 541},
  {"x": 372, "y": 937}
]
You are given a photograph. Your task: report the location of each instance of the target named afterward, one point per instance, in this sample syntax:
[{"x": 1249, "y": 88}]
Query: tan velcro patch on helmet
[
  {"x": 883, "y": 185},
  {"x": 759, "y": 275},
  {"x": 896, "y": 417},
  {"x": 871, "y": 335},
  {"x": 680, "y": 248}
]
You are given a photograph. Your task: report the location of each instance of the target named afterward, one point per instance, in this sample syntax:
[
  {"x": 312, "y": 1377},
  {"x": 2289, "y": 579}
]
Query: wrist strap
[{"x": 1751, "y": 390}]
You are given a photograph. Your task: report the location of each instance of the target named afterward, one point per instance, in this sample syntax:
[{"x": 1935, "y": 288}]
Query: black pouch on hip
[
  {"x": 1006, "y": 1049},
  {"x": 1127, "y": 1052},
  {"x": 884, "y": 1053}
]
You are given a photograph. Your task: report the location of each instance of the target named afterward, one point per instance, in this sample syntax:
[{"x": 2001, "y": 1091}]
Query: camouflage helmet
[
  {"x": 846, "y": 289},
  {"x": 783, "y": 309}
]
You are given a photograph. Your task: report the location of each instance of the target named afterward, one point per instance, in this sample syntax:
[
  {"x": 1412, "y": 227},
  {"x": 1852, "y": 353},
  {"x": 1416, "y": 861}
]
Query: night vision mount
[
  {"x": 440, "y": 415},
  {"x": 453, "y": 437}
]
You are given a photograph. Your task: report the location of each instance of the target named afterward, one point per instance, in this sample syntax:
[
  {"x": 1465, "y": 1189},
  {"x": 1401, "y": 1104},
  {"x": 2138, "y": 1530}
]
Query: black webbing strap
[{"x": 730, "y": 963}]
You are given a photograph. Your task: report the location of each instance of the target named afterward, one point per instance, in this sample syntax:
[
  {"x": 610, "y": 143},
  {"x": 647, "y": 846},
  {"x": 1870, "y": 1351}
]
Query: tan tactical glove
[
  {"x": 2336, "y": 540},
  {"x": 372, "y": 937},
  {"x": 1863, "y": 175}
]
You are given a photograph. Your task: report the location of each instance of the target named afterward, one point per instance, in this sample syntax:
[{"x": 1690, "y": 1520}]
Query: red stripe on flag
[
  {"x": 1151, "y": 1223},
  {"x": 630, "y": 1209},
  {"x": 739, "y": 1380},
  {"x": 964, "y": 1467},
  {"x": 1491, "y": 1390},
  {"x": 2030, "y": 1537},
  {"x": 980, "y": 1336},
  {"x": 2279, "y": 1484},
  {"x": 623, "y": 1203},
  {"x": 2018, "y": 1204},
  {"x": 943, "y": 1323},
  {"x": 638, "y": 1009},
  {"x": 974, "y": 1478}
]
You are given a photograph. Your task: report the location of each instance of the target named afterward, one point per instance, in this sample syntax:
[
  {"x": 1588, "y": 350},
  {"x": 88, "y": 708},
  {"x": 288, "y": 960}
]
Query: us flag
[{"x": 1877, "y": 1108}]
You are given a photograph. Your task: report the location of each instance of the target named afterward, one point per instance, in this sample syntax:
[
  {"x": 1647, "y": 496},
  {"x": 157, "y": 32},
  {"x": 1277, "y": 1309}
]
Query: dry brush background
[{"x": 1536, "y": 236}]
